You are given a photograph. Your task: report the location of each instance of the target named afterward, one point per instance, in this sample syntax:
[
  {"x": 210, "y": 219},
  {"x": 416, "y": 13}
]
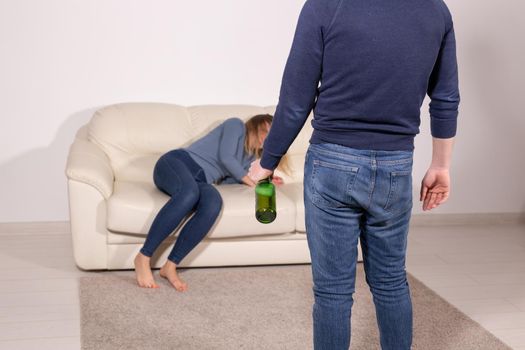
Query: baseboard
[
  {"x": 35, "y": 228},
  {"x": 431, "y": 219},
  {"x": 434, "y": 219}
]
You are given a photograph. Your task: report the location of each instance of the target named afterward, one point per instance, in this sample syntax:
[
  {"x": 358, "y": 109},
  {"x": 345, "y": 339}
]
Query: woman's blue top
[{"x": 221, "y": 153}]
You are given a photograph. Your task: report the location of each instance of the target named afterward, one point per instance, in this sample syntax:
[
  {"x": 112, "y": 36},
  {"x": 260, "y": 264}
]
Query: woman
[{"x": 186, "y": 175}]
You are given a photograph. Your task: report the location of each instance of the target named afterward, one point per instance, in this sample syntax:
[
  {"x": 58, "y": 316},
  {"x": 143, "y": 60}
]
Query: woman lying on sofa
[{"x": 186, "y": 174}]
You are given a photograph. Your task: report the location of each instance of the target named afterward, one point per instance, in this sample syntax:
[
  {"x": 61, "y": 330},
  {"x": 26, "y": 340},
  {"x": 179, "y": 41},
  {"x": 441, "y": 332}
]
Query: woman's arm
[
  {"x": 231, "y": 180},
  {"x": 248, "y": 181},
  {"x": 232, "y": 129}
]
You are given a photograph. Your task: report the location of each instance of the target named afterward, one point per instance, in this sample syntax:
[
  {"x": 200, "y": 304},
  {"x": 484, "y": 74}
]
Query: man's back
[{"x": 375, "y": 61}]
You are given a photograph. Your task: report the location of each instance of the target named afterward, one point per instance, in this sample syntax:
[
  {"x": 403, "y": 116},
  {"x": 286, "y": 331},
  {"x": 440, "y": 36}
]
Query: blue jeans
[
  {"x": 180, "y": 177},
  {"x": 352, "y": 194}
]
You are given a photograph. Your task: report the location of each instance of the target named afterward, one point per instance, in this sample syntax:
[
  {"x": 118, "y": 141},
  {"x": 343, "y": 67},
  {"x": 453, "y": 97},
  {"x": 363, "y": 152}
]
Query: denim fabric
[
  {"x": 352, "y": 194},
  {"x": 180, "y": 177}
]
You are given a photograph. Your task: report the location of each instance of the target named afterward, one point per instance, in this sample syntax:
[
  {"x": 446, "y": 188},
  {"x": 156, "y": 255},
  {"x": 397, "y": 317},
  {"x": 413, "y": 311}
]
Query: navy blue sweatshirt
[{"x": 365, "y": 67}]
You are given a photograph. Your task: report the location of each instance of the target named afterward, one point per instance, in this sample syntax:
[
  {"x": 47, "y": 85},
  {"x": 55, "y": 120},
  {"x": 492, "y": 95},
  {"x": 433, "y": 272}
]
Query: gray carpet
[{"x": 263, "y": 307}]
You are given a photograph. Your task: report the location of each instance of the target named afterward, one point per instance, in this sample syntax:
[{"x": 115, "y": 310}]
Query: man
[{"x": 375, "y": 62}]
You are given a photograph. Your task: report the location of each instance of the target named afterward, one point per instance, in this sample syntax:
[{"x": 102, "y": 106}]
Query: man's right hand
[{"x": 435, "y": 188}]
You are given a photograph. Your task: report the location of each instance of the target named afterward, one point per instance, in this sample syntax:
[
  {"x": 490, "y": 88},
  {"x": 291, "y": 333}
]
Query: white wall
[{"x": 62, "y": 59}]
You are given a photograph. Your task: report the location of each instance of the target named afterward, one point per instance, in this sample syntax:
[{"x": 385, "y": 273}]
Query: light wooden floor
[{"x": 478, "y": 268}]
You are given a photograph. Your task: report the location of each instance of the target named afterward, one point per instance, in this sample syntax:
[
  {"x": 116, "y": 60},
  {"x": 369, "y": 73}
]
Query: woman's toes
[
  {"x": 177, "y": 283},
  {"x": 183, "y": 286}
]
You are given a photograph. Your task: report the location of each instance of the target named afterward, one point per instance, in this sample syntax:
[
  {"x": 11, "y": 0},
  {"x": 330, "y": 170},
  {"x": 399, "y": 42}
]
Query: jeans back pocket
[
  {"x": 400, "y": 191},
  {"x": 332, "y": 183}
]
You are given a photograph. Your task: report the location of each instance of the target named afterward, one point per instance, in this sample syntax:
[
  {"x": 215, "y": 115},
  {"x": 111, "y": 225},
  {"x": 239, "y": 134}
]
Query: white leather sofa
[{"x": 113, "y": 201}]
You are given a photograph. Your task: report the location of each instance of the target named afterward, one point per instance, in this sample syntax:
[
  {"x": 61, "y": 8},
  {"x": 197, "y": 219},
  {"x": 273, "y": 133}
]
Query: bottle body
[{"x": 265, "y": 207}]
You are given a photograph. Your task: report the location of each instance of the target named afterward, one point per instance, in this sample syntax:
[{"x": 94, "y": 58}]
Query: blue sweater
[
  {"x": 221, "y": 153},
  {"x": 375, "y": 61}
]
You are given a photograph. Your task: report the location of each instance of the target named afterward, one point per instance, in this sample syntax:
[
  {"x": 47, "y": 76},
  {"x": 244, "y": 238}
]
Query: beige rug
[{"x": 263, "y": 307}]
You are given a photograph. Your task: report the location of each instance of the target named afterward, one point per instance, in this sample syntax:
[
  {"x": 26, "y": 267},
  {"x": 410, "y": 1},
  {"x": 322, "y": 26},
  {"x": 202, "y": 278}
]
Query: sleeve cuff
[
  {"x": 443, "y": 129},
  {"x": 269, "y": 161}
]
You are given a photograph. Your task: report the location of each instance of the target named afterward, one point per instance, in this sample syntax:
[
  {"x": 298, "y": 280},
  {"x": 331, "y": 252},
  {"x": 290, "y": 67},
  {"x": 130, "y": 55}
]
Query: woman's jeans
[
  {"x": 180, "y": 177},
  {"x": 352, "y": 194}
]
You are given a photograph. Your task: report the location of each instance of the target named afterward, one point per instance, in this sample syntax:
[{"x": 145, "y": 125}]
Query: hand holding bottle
[
  {"x": 265, "y": 204},
  {"x": 257, "y": 173}
]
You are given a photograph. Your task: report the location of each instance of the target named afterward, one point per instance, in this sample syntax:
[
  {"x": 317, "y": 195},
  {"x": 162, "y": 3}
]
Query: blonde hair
[{"x": 254, "y": 126}]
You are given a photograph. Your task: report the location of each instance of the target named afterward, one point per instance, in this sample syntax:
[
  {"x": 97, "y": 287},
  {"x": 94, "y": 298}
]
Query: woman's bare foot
[
  {"x": 143, "y": 271},
  {"x": 169, "y": 271}
]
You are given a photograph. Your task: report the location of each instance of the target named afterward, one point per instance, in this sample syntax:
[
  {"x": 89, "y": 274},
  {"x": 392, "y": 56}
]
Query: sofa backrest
[{"x": 135, "y": 135}]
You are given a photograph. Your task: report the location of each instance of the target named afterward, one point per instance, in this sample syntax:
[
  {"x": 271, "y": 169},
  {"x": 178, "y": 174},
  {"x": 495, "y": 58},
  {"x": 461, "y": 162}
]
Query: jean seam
[
  {"x": 391, "y": 192},
  {"x": 336, "y": 166},
  {"x": 393, "y": 186}
]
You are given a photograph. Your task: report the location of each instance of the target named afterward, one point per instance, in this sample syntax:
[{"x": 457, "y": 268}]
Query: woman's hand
[
  {"x": 277, "y": 180},
  {"x": 256, "y": 172},
  {"x": 248, "y": 181}
]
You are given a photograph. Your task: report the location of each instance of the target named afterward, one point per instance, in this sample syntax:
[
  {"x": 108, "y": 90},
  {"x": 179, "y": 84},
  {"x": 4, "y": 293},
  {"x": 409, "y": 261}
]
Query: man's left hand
[{"x": 256, "y": 172}]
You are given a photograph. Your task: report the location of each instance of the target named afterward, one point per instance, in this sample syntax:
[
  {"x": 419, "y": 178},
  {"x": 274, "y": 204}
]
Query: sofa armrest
[{"x": 87, "y": 163}]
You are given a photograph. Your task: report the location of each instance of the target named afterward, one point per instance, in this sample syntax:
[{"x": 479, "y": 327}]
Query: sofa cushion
[
  {"x": 133, "y": 206},
  {"x": 294, "y": 191},
  {"x": 129, "y": 131}
]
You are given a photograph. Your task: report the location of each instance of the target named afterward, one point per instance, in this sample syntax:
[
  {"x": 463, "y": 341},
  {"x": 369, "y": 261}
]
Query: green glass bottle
[{"x": 265, "y": 209}]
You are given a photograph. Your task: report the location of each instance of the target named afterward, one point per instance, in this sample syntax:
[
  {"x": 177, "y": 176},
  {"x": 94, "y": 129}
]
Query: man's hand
[
  {"x": 256, "y": 172},
  {"x": 435, "y": 188}
]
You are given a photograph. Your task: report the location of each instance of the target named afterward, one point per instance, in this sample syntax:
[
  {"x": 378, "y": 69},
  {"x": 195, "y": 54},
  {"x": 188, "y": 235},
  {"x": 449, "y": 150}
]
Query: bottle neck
[{"x": 266, "y": 179}]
